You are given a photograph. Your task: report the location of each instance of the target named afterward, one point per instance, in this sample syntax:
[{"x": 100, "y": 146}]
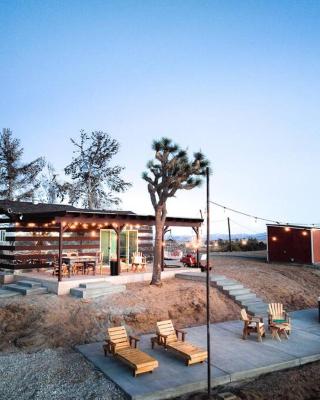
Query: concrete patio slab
[
  {"x": 172, "y": 378},
  {"x": 232, "y": 358}
]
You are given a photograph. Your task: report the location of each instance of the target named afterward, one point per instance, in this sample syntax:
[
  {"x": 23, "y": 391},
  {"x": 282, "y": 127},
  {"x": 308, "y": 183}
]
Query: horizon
[{"x": 247, "y": 96}]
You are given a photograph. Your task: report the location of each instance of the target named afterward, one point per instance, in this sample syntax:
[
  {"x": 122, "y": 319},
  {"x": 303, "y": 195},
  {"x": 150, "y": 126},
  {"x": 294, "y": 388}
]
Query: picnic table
[{"x": 85, "y": 261}]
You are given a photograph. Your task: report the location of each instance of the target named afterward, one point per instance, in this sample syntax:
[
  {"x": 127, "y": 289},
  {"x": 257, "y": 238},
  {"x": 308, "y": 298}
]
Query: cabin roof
[{"x": 30, "y": 212}]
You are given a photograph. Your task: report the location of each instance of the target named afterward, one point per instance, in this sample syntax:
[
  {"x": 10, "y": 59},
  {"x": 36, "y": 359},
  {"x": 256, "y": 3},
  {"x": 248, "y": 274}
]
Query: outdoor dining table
[{"x": 85, "y": 260}]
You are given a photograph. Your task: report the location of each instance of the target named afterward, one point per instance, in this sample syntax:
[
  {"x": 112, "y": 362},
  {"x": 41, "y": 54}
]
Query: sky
[{"x": 238, "y": 80}]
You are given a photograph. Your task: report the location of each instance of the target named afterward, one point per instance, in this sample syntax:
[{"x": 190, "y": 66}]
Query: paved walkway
[{"x": 232, "y": 358}]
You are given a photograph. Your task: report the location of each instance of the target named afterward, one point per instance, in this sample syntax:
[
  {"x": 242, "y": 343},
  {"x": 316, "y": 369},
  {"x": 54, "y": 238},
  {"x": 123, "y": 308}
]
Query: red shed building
[{"x": 293, "y": 244}]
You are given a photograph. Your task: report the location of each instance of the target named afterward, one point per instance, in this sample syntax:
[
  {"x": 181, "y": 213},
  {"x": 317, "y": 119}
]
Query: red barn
[{"x": 291, "y": 243}]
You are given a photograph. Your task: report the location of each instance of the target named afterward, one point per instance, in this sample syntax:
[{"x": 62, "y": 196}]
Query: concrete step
[
  {"x": 247, "y": 296},
  {"x": 29, "y": 284},
  {"x": 217, "y": 277},
  {"x": 193, "y": 276},
  {"x": 225, "y": 282},
  {"x": 238, "y": 292},
  {"x": 7, "y": 293},
  {"x": 94, "y": 285},
  {"x": 232, "y": 287},
  {"x": 258, "y": 309},
  {"x": 247, "y": 302},
  {"x": 89, "y": 293},
  {"x": 25, "y": 290}
]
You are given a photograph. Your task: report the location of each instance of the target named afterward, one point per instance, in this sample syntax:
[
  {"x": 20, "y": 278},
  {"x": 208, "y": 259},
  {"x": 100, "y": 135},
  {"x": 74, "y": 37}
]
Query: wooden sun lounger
[
  {"x": 125, "y": 349},
  {"x": 168, "y": 337}
]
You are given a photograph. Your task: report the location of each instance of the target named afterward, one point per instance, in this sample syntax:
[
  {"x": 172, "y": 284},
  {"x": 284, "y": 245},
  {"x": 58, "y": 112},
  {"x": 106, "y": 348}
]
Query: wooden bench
[
  {"x": 125, "y": 349},
  {"x": 168, "y": 337}
]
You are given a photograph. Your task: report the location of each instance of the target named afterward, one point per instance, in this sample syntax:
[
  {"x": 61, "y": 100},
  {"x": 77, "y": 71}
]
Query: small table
[
  {"x": 85, "y": 260},
  {"x": 279, "y": 329}
]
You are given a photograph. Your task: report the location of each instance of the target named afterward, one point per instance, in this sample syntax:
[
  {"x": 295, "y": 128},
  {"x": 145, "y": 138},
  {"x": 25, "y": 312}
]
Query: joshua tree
[
  {"x": 18, "y": 181},
  {"x": 94, "y": 181},
  {"x": 170, "y": 171}
]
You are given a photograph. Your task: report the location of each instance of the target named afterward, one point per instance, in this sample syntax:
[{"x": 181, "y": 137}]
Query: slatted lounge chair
[
  {"x": 168, "y": 337},
  {"x": 125, "y": 349},
  {"x": 252, "y": 325},
  {"x": 277, "y": 315}
]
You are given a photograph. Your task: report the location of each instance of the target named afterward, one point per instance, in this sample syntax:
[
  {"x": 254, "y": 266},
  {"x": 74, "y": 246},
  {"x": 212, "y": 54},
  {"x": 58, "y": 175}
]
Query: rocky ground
[
  {"x": 58, "y": 374},
  {"x": 37, "y": 333}
]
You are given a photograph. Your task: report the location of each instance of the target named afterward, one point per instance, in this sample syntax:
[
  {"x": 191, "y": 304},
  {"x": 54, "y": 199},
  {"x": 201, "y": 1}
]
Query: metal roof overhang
[{"x": 102, "y": 217}]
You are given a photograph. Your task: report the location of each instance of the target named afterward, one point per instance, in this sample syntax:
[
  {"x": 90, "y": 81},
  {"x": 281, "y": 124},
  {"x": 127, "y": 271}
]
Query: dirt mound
[{"x": 50, "y": 321}]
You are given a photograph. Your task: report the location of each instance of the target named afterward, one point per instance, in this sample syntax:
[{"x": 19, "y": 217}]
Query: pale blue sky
[{"x": 237, "y": 79}]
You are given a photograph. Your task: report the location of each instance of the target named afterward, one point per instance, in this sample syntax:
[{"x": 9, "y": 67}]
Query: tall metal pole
[
  {"x": 60, "y": 252},
  {"x": 229, "y": 231},
  {"x": 208, "y": 284}
]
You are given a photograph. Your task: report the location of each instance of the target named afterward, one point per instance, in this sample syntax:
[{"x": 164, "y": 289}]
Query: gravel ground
[{"x": 58, "y": 374}]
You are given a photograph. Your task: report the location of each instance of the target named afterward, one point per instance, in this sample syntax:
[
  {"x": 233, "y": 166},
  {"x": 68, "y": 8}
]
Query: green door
[{"x": 108, "y": 244}]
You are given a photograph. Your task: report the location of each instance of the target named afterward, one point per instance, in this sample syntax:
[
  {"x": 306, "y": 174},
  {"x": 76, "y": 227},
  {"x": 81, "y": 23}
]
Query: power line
[{"x": 256, "y": 218}]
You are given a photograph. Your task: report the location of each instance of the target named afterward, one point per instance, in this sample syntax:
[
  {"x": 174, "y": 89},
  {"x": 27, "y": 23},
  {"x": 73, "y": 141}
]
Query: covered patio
[{"x": 59, "y": 242}]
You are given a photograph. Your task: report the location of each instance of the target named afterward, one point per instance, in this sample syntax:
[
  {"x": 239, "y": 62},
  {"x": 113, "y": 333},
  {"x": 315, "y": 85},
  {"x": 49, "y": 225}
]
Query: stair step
[
  {"x": 25, "y": 290},
  {"x": 238, "y": 292},
  {"x": 225, "y": 282},
  {"x": 260, "y": 308},
  {"x": 29, "y": 284},
  {"x": 245, "y": 296},
  {"x": 194, "y": 276},
  {"x": 217, "y": 277},
  {"x": 232, "y": 287},
  {"x": 94, "y": 285},
  {"x": 7, "y": 293},
  {"x": 248, "y": 302},
  {"x": 86, "y": 293}
]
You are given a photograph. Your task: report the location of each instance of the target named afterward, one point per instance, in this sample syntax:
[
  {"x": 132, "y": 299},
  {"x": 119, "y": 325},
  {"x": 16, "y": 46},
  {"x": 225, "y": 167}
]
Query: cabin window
[{"x": 2, "y": 235}]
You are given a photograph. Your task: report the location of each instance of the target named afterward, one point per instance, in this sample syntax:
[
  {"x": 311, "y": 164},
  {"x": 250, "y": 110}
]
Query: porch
[
  {"x": 74, "y": 243},
  {"x": 63, "y": 287}
]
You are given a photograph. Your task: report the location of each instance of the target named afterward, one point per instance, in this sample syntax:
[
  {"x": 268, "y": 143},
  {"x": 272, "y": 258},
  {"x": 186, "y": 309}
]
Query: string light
[
  {"x": 287, "y": 229},
  {"x": 274, "y": 238},
  {"x": 304, "y": 233},
  {"x": 31, "y": 224},
  {"x": 225, "y": 208}
]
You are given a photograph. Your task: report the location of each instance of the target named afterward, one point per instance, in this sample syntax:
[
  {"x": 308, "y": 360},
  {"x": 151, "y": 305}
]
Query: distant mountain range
[{"x": 259, "y": 236}]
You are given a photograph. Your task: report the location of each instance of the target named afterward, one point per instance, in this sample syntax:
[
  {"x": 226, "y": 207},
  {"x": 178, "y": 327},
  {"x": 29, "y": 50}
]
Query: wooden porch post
[
  {"x": 60, "y": 252},
  {"x": 118, "y": 231}
]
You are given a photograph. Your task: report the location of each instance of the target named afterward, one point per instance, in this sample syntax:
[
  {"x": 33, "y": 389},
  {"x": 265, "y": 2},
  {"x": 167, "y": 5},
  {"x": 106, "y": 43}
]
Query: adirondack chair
[
  {"x": 125, "y": 349},
  {"x": 138, "y": 262},
  {"x": 168, "y": 337},
  {"x": 277, "y": 315},
  {"x": 252, "y": 324}
]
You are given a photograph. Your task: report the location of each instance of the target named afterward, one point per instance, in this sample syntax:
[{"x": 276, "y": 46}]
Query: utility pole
[
  {"x": 208, "y": 284},
  {"x": 230, "y": 243}
]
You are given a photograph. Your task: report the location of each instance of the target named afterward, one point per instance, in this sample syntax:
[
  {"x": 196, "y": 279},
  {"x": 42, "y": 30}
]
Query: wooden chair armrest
[
  {"x": 134, "y": 340},
  {"x": 112, "y": 346},
  {"x": 162, "y": 339},
  {"x": 183, "y": 333},
  {"x": 257, "y": 318}
]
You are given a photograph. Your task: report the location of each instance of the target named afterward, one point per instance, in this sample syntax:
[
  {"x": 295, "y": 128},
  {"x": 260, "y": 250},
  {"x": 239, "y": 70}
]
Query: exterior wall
[
  {"x": 289, "y": 246},
  {"x": 145, "y": 240},
  {"x": 28, "y": 247},
  {"x": 316, "y": 246}
]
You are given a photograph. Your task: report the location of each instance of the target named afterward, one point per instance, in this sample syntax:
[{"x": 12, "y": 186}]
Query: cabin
[
  {"x": 38, "y": 236},
  {"x": 293, "y": 244}
]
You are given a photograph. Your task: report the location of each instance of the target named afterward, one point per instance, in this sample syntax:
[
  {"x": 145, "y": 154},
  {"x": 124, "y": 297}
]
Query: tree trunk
[{"x": 157, "y": 261}]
